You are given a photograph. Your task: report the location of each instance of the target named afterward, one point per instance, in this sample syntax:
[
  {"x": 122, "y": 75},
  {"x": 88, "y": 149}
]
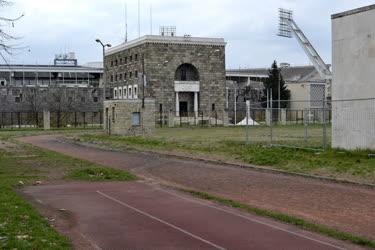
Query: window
[
  {"x": 130, "y": 74},
  {"x": 95, "y": 99},
  {"x": 115, "y": 93},
  {"x": 113, "y": 114},
  {"x": 213, "y": 106},
  {"x": 125, "y": 92},
  {"x": 120, "y": 93},
  {"x": 130, "y": 95},
  {"x": 3, "y": 82},
  {"x": 125, "y": 76},
  {"x": 116, "y": 78},
  {"x": 17, "y": 99},
  {"x": 120, "y": 61},
  {"x": 111, "y": 63},
  {"x": 131, "y": 58},
  {"x": 136, "y": 57},
  {"x": 116, "y": 62},
  {"x": 120, "y": 77},
  {"x": 126, "y": 60},
  {"x": 136, "y": 119},
  {"x": 111, "y": 78},
  {"x": 136, "y": 74},
  {"x": 135, "y": 94},
  {"x": 83, "y": 99}
]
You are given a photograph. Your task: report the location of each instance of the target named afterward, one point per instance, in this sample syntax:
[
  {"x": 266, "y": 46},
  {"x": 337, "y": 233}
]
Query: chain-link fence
[{"x": 28, "y": 119}]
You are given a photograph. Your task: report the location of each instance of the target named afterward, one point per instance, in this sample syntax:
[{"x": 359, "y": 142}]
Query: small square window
[
  {"x": 136, "y": 119},
  {"x": 95, "y": 99}
]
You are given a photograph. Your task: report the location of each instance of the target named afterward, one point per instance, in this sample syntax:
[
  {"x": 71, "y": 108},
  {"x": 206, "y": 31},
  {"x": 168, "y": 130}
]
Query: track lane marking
[
  {"x": 160, "y": 220},
  {"x": 253, "y": 220}
]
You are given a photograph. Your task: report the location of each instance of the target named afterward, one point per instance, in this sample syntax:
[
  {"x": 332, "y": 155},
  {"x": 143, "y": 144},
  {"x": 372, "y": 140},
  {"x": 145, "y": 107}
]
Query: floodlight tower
[{"x": 288, "y": 28}]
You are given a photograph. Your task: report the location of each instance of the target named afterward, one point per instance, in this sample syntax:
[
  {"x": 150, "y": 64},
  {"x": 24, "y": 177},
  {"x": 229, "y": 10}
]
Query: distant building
[
  {"x": 185, "y": 75},
  {"x": 31, "y": 87},
  {"x": 304, "y": 83}
]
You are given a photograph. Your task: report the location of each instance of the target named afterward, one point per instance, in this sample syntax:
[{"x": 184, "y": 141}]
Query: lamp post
[{"x": 104, "y": 66}]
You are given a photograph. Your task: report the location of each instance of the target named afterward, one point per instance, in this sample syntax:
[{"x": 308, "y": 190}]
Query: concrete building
[
  {"x": 185, "y": 75},
  {"x": 28, "y": 87},
  {"x": 353, "y": 41},
  {"x": 306, "y": 87}
]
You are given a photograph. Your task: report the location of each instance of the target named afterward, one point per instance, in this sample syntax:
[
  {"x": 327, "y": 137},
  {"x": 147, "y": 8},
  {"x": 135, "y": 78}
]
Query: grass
[
  {"x": 228, "y": 144},
  {"x": 301, "y": 223},
  {"x": 21, "y": 226},
  {"x": 101, "y": 174}
]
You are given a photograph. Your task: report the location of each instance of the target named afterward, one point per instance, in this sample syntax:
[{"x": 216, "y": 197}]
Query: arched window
[{"x": 187, "y": 72}]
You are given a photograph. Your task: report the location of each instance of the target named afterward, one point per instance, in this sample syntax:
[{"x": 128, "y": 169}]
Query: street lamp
[{"x": 104, "y": 67}]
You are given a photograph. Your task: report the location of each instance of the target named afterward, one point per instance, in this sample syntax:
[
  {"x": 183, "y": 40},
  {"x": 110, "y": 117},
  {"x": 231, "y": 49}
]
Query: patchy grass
[
  {"x": 301, "y": 223},
  {"x": 348, "y": 165},
  {"x": 21, "y": 226},
  {"x": 101, "y": 174}
]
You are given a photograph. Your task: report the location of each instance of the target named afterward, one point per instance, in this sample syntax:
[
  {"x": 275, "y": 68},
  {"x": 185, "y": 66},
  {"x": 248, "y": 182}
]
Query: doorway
[{"x": 183, "y": 108}]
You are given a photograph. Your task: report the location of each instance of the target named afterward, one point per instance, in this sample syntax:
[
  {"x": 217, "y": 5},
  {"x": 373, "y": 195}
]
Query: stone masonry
[
  {"x": 185, "y": 75},
  {"x": 121, "y": 117}
]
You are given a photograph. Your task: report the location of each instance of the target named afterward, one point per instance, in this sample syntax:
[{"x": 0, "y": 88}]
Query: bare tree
[{"x": 6, "y": 39}]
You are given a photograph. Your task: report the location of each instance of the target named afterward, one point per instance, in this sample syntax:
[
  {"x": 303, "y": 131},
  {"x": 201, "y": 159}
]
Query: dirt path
[{"x": 347, "y": 208}]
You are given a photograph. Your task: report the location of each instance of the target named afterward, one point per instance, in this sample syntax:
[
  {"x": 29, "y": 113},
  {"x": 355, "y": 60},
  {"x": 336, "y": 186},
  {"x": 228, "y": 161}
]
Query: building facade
[
  {"x": 353, "y": 92},
  {"x": 307, "y": 89},
  {"x": 37, "y": 87},
  {"x": 185, "y": 75}
]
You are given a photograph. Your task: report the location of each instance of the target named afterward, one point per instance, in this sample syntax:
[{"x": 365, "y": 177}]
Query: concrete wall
[
  {"x": 118, "y": 117},
  {"x": 353, "y": 77}
]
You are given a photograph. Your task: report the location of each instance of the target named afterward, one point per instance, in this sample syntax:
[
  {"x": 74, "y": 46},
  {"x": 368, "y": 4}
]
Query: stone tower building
[{"x": 185, "y": 75}]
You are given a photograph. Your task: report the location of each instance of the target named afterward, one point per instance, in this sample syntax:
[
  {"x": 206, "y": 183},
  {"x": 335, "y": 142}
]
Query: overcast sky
[{"x": 248, "y": 26}]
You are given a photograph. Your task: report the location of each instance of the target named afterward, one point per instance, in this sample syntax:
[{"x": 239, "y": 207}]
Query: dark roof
[{"x": 354, "y": 11}]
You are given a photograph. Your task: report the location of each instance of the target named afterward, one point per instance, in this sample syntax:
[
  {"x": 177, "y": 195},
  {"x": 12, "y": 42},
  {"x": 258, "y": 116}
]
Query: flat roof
[
  {"x": 354, "y": 11},
  {"x": 47, "y": 68},
  {"x": 184, "y": 40}
]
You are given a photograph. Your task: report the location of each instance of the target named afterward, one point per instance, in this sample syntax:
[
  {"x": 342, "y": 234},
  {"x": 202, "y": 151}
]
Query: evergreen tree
[{"x": 272, "y": 83}]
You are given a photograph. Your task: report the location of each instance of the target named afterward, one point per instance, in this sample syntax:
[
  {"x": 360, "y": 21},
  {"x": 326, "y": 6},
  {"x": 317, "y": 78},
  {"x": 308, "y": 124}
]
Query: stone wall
[
  {"x": 161, "y": 61},
  {"x": 118, "y": 117}
]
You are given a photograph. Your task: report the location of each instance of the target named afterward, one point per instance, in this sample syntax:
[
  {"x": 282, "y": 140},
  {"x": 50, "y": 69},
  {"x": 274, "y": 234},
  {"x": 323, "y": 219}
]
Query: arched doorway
[{"x": 187, "y": 89}]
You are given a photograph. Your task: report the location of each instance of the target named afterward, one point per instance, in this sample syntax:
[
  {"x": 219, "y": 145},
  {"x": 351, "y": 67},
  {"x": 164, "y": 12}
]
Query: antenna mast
[
  {"x": 139, "y": 18},
  {"x": 150, "y": 19},
  {"x": 126, "y": 22}
]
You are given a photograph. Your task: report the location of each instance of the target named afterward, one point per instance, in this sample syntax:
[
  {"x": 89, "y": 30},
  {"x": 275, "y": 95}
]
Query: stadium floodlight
[{"x": 285, "y": 16}]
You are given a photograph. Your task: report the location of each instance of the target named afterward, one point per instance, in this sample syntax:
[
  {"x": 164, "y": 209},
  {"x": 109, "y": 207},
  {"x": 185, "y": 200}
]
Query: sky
[{"x": 249, "y": 27}]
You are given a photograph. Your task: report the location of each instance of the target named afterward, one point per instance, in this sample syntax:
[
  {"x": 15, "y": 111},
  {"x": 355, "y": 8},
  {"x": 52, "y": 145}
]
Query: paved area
[
  {"x": 138, "y": 215},
  {"x": 347, "y": 208}
]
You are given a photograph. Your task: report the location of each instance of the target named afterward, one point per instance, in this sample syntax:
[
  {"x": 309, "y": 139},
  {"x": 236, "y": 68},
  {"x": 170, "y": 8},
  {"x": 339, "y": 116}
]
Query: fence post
[
  {"x": 84, "y": 119},
  {"x": 324, "y": 126},
  {"x": 46, "y": 120},
  {"x": 19, "y": 119}
]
